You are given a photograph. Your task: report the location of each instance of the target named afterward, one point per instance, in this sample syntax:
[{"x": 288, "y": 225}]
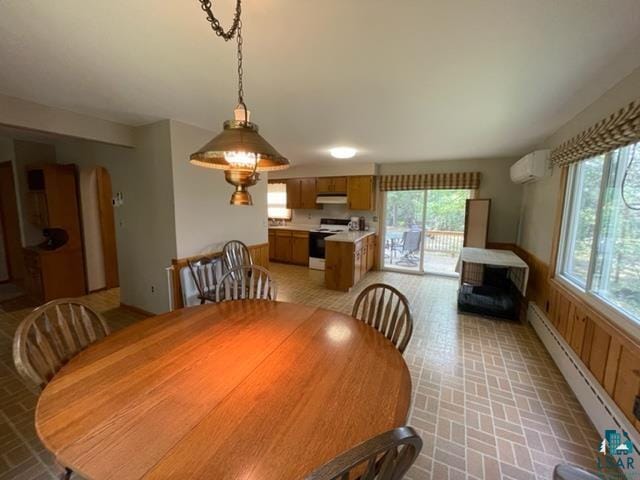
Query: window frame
[
  {"x": 601, "y": 304},
  {"x": 289, "y": 214}
]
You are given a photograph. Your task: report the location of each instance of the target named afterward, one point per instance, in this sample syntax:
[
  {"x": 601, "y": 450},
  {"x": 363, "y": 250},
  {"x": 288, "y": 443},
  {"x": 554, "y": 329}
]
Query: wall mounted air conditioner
[{"x": 531, "y": 167}]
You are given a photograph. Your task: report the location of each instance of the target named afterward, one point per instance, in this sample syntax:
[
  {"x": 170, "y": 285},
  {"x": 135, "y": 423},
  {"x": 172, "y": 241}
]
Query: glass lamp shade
[{"x": 239, "y": 147}]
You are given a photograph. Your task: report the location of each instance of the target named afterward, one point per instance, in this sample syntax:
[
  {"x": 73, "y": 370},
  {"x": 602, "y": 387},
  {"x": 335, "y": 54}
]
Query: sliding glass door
[
  {"x": 424, "y": 230},
  {"x": 403, "y": 232}
]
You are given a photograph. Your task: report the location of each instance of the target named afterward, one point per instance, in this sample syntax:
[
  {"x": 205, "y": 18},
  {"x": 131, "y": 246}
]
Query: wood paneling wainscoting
[
  {"x": 610, "y": 354},
  {"x": 259, "y": 254}
]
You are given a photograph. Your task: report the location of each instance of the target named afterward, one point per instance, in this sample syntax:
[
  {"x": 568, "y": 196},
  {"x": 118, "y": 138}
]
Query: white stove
[{"x": 328, "y": 226}]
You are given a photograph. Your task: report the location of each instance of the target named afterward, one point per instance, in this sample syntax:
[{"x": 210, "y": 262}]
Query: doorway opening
[{"x": 424, "y": 230}]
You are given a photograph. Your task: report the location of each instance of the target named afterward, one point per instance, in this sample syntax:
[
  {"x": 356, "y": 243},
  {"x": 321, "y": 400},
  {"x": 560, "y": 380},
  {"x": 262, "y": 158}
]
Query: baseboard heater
[{"x": 595, "y": 400}]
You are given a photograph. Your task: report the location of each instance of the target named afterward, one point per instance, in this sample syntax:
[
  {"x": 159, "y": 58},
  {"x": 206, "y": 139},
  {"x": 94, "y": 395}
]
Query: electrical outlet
[
  {"x": 153, "y": 289},
  {"x": 636, "y": 408}
]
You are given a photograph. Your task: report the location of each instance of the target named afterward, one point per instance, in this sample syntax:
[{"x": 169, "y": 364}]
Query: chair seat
[{"x": 208, "y": 297}]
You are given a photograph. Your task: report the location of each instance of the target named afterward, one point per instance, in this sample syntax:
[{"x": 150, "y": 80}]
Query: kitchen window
[
  {"x": 600, "y": 244},
  {"x": 277, "y": 201}
]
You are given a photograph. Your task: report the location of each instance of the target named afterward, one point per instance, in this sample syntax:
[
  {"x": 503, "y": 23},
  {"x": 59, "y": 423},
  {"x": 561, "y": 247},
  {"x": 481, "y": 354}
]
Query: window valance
[
  {"x": 615, "y": 131},
  {"x": 430, "y": 181}
]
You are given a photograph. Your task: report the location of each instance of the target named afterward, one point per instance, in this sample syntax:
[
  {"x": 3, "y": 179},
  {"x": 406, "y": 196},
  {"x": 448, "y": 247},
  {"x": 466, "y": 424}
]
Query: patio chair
[{"x": 410, "y": 245}]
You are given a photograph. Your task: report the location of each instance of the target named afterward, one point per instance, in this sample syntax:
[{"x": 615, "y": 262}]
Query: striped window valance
[
  {"x": 615, "y": 131},
  {"x": 430, "y": 181}
]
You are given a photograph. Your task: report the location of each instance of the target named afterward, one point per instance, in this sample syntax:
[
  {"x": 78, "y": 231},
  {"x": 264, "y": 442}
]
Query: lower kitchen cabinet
[
  {"x": 346, "y": 263},
  {"x": 300, "y": 248},
  {"x": 289, "y": 246}
]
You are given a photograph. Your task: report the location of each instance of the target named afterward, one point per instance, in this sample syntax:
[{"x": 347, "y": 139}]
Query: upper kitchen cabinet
[
  {"x": 361, "y": 193},
  {"x": 302, "y": 193},
  {"x": 329, "y": 185}
]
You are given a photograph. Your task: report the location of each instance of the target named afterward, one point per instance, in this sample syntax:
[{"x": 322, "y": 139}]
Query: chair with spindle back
[
  {"x": 246, "y": 283},
  {"x": 50, "y": 336},
  {"x": 569, "y": 472},
  {"x": 387, "y": 456},
  {"x": 387, "y": 310},
  {"x": 204, "y": 271},
  {"x": 236, "y": 254}
]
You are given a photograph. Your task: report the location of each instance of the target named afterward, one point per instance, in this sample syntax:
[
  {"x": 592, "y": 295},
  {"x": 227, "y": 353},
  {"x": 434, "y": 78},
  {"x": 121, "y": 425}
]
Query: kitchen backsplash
[{"x": 312, "y": 217}]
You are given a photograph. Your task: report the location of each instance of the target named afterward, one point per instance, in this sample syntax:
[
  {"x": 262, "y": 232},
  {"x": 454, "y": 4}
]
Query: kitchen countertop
[{"x": 349, "y": 237}]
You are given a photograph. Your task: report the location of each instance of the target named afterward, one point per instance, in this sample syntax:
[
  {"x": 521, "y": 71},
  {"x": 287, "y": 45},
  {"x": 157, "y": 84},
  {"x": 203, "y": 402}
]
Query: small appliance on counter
[
  {"x": 354, "y": 224},
  {"x": 361, "y": 224}
]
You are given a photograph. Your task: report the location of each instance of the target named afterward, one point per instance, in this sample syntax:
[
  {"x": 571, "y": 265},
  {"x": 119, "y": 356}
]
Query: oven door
[{"x": 316, "y": 244}]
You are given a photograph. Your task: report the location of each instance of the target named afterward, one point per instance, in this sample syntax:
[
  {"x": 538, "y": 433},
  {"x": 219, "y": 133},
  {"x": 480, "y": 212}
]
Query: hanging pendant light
[{"x": 239, "y": 149}]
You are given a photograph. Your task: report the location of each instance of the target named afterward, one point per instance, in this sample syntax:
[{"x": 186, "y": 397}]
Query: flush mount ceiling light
[
  {"x": 239, "y": 149},
  {"x": 343, "y": 152}
]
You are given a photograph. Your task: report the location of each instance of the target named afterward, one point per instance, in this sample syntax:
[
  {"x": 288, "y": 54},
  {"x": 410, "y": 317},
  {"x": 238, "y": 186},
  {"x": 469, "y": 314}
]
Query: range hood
[{"x": 331, "y": 199}]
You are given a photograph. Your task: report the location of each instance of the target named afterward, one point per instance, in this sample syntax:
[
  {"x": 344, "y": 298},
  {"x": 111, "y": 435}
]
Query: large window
[
  {"x": 600, "y": 249},
  {"x": 277, "y": 201}
]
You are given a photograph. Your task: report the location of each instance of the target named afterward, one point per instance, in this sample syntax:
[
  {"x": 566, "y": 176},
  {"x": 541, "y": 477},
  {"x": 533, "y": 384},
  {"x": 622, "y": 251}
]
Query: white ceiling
[{"x": 401, "y": 80}]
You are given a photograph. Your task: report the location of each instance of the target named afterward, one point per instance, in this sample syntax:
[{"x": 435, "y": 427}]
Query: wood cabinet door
[
  {"x": 357, "y": 263},
  {"x": 300, "y": 248},
  {"x": 308, "y": 193},
  {"x": 324, "y": 184},
  {"x": 339, "y": 185},
  {"x": 364, "y": 259},
  {"x": 371, "y": 252},
  {"x": 293, "y": 193},
  {"x": 283, "y": 247},
  {"x": 360, "y": 195},
  {"x": 272, "y": 245}
]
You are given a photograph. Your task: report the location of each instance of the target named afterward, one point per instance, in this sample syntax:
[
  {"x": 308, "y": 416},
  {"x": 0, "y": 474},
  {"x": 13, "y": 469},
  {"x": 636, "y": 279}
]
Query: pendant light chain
[
  {"x": 234, "y": 31},
  {"x": 240, "y": 68},
  {"x": 215, "y": 23}
]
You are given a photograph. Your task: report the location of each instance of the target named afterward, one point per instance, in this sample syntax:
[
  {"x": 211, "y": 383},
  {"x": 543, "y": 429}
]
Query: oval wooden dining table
[{"x": 246, "y": 390}]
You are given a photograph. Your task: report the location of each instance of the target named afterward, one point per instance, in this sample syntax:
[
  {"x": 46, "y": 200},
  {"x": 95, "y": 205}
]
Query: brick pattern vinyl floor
[{"x": 488, "y": 401}]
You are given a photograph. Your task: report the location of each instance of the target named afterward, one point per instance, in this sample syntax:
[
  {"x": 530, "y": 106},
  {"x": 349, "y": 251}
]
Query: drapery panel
[
  {"x": 615, "y": 131},
  {"x": 430, "y": 181}
]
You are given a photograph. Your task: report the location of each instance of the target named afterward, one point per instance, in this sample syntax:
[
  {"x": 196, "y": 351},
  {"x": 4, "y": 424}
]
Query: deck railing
[{"x": 443, "y": 241}]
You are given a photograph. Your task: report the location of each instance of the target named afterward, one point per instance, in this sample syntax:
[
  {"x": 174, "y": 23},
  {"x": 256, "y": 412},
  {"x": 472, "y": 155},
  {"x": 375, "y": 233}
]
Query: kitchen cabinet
[
  {"x": 302, "y": 193},
  {"x": 300, "y": 248},
  {"x": 51, "y": 274},
  {"x": 371, "y": 252},
  {"x": 283, "y": 246},
  {"x": 289, "y": 246},
  {"x": 272, "y": 245},
  {"x": 329, "y": 185},
  {"x": 361, "y": 192},
  {"x": 347, "y": 263},
  {"x": 52, "y": 195}
]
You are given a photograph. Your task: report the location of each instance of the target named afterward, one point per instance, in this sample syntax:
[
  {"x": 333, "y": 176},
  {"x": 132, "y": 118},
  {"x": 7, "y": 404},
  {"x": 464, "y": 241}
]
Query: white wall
[
  {"x": 495, "y": 184},
  {"x": 330, "y": 168},
  {"x": 203, "y": 217},
  {"x": 34, "y": 116},
  {"x": 145, "y": 224},
  {"x": 540, "y": 198}
]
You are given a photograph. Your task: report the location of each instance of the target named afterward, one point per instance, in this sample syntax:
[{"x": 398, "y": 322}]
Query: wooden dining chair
[
  {"x": 236, "y": 254},
  {"x": 387, "y": 310},
  {"x": 246, "y": 283},
  {"x": 50, "y": 336},
  {"x": 569, "y": 472},
  {"x": 204, "y": 271},
  {"x": 387, "y": 456}
]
